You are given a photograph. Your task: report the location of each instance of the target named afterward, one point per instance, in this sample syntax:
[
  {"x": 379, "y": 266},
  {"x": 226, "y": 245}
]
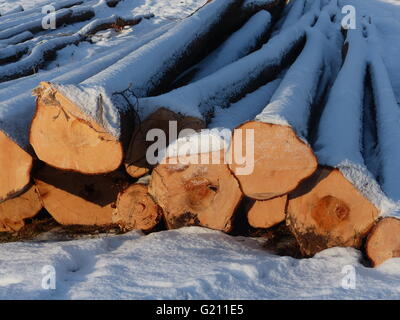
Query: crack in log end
[
  {"x": 329, "y": 212},
  {"x": 184, "y": 220},
  {"x": 200, "y": 192}
]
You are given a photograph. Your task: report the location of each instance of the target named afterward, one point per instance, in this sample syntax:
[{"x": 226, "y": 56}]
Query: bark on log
[
  {"x": 193, "y": 194},
  {"x": 326, "y": 211},
  {"x": 268, "y": 213},
  {"x": 75, "y": 199},
  {"x": 282, "y": 157},
  {"x": 136, "y": 163},
  {"x": 14, "y": 211},
  {"x": 63, "y": 16},
  {"x": 136, "y": 210},
  {"x": 383, "y": 242},
  {"x": 16, "y": 165},
  {"x": 152, "y": 70},
  {"x": 247, "y": 39}
]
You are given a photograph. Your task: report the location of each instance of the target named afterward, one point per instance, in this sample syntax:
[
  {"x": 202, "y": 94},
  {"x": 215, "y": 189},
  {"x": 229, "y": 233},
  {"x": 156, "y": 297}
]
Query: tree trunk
[
  {"x": 193, "y": 194},
  {"x": 75, "y": 199},
  {"x": 136, "y": 163},
  {"x": 282, "y": 156},
  {"x": 148, "y": 69},
  {"x": 268, "y": 213},
  {"x": 14, "y": 211},
  {"x": 16, "y": 165},
  {"x": 61, "y": 133},
  {"x": 327, "y": 211},
  {"x": 383, "y": 242},
  {"x": 136, "y": 210}
]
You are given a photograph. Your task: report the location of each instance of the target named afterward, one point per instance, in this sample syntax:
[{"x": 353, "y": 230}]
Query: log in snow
[
  {"x": 340, "y": 137},
  {"x": 75, "y": 199},
  {"x": 327, "y": 211},
  {"x": 193, "y": 194},
  {"x": 136, "y": 210},
  {"x": 282, "y": 156},
  {"x": 64, "y": 16},
  {"x": 16, "y": 165},
  {"x": 136, "y": 163},
  {"x": 383, "y": 242},
  {"x": 387, "y": 119},
  {"x": 268, "y": 213},
  {"x": 239, "y": 44},
  {"x": 62, "y": 133},
  {"x": 42, "y": 51},
  {"x": 144, "y": 71},
  {"x": 14, "y": 211}
]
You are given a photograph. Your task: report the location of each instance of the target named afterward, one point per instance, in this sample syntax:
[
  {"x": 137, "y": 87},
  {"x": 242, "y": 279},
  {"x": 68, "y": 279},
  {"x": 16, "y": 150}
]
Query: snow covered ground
[{"x": 190, "y": 263}]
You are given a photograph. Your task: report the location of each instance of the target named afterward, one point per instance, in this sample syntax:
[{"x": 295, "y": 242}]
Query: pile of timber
[{"x": 276, "y": 78}]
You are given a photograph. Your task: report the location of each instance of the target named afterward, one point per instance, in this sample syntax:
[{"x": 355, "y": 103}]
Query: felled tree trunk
[
  {"x": 195, "y": 194},
  {"x": 62, "y": 133},
  {"x": 42, "y": 50},
  {"x": 282, "y": 156},
  {"x": 136, "y": 210},
  {"x": 136, "y": 163},
  {"x": 326, "y": 211},
  {"x": 383, "y": 242},
  {"x": 14, "y": 211},
  {"x": 244, "y": 41},
  {"x": 16, "y": 165},
  {"x": 268, "y": 213},
  {"x": 75, "y": 199},
  {"x": 148, "y": 69}
]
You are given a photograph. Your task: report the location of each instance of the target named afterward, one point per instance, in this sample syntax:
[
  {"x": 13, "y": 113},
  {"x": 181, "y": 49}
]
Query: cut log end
[
  {"x": 136, "y": 164},
  {"x": 13, "y": 212},
  {"x": 383, "y": 242},
  {"x": 281, "y": 160},
  {"x": 136, "y": 210},
  {"x": 76, "y": 199},
  {"x": 268, "y": 213},
  {"x": 328, "y": 211},
  {"x": 196, "y": 194},
  {"x": 16, "y": 165},
  {"x": 64, "y": 138}
]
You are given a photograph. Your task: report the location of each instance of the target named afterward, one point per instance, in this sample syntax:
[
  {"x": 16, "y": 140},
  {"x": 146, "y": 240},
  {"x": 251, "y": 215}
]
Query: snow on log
[
  {"x": 34, "y": 12},
  {"x": 16, "y": 113},
  {"x": 244, "y": 41},
  {"x": 383, "y": 242},
  {"x": 75, "y": 199},
  {"x": 340, "y": 137},
  {"x": 245, "y": 109},
  {"x": 42, "y": 51},
  {"x": 63, "y": 16},
  {"x": 136, "y": 210},
  {"x": 387, "y": 118},
  {"x": 15, "y": 9},
  {"x": 140, "y": 73},
  {"x": 61, "y": 132},
  {"x": 195, "y": 194},
  {"x": 136, "y": 163},
  {"x": 234, "y": 81},
  {"x": 16, "y": 165},
  {"x": 268, "y": 213},
  {"x": 250, "y": 7},
  {"x": 326, "y": 211},
  {"x": 14, "y": 211},
  {"x": 282, "y": 156}
]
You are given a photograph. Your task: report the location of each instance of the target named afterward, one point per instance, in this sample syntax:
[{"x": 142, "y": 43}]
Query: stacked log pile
[{"x": 274, "y": 77}]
